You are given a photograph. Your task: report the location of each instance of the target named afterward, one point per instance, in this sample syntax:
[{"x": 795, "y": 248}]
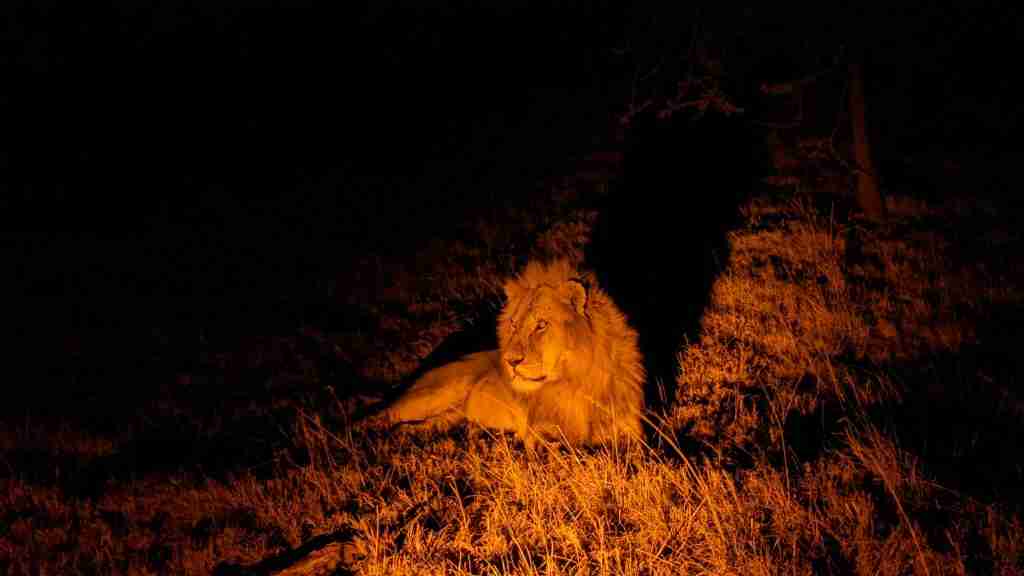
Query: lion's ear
[{"x": 576, "y": 293}]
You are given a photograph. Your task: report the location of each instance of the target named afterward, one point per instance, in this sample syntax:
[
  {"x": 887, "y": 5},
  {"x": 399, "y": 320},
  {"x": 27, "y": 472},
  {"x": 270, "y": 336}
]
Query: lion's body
[{"x": 568, "y": 367}]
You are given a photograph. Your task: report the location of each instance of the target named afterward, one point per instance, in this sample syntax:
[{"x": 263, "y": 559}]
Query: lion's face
[{"x": 541, "y": 332}]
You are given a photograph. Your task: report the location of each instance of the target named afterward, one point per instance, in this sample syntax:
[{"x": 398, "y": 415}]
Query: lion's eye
[{"x": 542, "y": 325}]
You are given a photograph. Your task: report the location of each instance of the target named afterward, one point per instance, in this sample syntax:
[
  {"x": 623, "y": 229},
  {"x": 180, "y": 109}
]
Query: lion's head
[
  {"x": 569, "y": 351},
  {"x": 542, "y": 331}
]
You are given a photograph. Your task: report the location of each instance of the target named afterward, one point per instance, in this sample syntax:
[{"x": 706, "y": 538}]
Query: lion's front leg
[{"x": 493, "y": 404}]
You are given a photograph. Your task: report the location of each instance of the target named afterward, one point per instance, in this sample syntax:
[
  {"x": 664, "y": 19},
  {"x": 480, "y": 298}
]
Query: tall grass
[{"x": 788, "y": 448}]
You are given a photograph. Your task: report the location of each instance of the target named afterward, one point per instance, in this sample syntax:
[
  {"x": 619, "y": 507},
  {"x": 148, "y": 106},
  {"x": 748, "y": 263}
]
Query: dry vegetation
[{"x": 848, "y": 406}]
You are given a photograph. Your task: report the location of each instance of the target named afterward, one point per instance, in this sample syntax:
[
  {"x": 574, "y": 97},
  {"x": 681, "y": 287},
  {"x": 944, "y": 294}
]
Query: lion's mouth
[
  {"x": 522, "y": 376},
  {"x": 540, "y": 378},
  {"x": 525, "y": 383}
]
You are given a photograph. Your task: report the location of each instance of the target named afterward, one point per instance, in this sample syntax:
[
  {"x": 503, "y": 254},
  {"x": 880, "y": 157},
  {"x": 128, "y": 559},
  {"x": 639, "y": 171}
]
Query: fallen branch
[{"x": 321, "y": 555}]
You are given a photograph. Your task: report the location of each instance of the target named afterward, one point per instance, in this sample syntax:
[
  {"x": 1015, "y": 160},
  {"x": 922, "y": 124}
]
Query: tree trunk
[{"x": 869, "y": 199}]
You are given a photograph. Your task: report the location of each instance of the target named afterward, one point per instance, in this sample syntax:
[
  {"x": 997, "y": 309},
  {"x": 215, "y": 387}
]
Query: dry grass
[{"x": 787, "y": 451}]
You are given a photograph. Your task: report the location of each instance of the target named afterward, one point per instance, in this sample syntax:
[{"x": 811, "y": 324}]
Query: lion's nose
[{"x": 514, "y": 358}]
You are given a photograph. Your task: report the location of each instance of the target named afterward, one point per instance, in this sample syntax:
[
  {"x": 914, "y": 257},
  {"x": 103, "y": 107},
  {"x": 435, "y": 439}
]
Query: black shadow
[{"x": 660, "y": 240}]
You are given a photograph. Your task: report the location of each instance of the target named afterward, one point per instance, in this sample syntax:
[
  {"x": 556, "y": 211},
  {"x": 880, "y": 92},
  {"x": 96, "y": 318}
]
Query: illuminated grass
[{"x": 794, "y": 445}]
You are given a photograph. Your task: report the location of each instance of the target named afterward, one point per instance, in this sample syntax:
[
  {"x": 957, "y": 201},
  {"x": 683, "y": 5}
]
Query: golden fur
[{"x": 568, "y": 366}]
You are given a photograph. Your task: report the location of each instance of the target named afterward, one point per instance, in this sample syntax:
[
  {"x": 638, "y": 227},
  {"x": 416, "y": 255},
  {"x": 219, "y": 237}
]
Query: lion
[{"x": 568, "y": 367}]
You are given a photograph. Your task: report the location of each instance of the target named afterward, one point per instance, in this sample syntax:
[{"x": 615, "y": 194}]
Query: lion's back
[{"x": 445, "y": 387}]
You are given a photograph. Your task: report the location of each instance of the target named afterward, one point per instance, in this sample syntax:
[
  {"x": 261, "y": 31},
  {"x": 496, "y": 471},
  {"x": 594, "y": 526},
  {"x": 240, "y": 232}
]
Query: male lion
[{"x": 568, "y": 366}]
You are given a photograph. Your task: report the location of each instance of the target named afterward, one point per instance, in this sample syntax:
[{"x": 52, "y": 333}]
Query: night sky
[{"x": 264, "y": 101}]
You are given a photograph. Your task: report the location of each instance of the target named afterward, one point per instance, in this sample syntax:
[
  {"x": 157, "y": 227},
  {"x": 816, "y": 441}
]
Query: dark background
[
  {"x": 213, "y": 162},
  {"x": 190, "y": 154}
]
